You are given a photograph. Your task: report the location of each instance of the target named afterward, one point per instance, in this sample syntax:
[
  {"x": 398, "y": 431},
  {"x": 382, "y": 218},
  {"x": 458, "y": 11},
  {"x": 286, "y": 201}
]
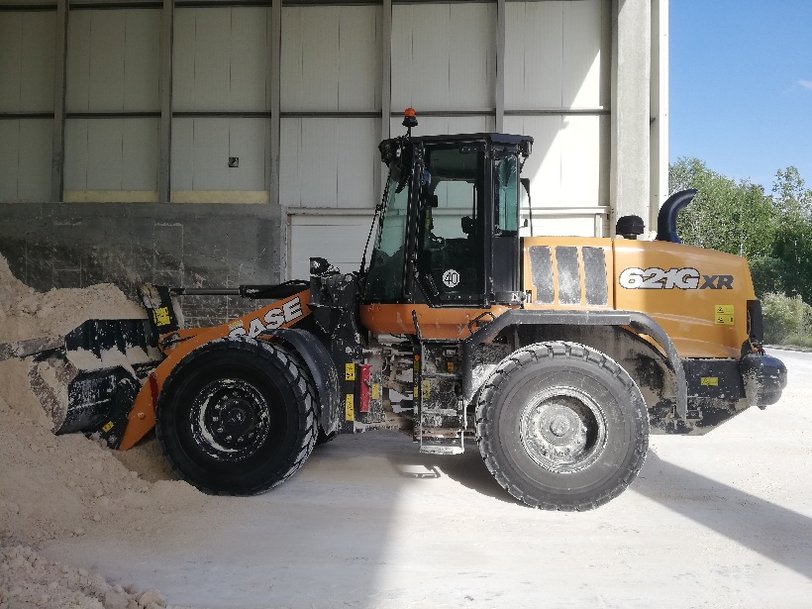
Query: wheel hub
[
  {"x": 559, "y": 426},
  {"x": 563, "y": 429},
  {"x": 230, "y": 419}
]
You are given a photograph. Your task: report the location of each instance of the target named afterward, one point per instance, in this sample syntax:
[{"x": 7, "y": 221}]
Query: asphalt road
[{"x": 723, "y": 520}]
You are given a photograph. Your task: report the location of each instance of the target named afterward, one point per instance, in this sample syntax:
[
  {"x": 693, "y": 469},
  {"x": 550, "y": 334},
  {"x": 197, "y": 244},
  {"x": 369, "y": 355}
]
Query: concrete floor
[{"x": 722, "y": 521}]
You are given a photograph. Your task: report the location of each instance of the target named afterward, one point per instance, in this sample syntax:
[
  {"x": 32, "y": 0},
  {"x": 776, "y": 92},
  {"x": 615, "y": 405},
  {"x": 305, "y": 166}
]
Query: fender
[
  {"x": 637, "y": 321},
  {"x": 322, "y": 370}
]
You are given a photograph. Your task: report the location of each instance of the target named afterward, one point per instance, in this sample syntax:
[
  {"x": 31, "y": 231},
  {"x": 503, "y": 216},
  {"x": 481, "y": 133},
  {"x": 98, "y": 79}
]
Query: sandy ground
[{"x": 722, "y": 521}]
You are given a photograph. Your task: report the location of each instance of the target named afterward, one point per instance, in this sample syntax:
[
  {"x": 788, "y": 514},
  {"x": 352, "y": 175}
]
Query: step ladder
[{"x": 440, "y": 417}]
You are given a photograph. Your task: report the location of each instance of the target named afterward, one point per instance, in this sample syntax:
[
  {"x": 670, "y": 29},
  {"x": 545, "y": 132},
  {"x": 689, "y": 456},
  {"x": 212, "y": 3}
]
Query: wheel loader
[{"x": 557, "y": 356}]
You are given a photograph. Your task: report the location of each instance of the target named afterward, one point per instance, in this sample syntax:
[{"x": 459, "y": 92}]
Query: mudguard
[{"x": 322, "y": 370}]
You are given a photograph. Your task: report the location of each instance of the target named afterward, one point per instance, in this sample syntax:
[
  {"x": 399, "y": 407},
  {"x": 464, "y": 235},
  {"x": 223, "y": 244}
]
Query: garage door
[{"x": 338, "y": 238}]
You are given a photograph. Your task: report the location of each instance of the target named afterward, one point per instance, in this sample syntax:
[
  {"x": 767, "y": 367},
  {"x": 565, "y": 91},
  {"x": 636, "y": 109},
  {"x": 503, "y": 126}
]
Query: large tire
[
  {"x": 562, "y": 426},
  {"x": 237, "y": 416}
]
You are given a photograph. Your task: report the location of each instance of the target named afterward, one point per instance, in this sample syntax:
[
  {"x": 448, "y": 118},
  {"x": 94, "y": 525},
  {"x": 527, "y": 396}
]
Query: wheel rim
[
  {"x": 230, "y": 419},
  {"x": 563, "y": 430}
]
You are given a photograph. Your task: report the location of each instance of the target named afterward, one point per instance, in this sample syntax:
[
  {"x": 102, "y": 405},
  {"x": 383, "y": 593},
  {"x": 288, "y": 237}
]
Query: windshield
[{"x": 384, "y": 278}]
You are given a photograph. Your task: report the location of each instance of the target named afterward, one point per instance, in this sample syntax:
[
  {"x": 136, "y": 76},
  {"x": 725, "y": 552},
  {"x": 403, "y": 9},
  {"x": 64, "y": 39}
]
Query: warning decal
[{"x": 723, "y": 315}]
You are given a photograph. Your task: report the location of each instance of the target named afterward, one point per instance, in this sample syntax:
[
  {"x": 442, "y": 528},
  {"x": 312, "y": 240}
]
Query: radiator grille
[{"x": 569, "y": 275}]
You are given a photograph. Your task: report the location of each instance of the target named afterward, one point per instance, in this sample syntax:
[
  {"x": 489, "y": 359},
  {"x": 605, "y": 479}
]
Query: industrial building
[{"x": 210, "y": 142}]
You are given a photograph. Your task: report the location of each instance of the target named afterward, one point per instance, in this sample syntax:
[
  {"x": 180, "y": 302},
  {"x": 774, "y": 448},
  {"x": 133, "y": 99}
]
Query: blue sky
[{"x": 741, "y": 86}]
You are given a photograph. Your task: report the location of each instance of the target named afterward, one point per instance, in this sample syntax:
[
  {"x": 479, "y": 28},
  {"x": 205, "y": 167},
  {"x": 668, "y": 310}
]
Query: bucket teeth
[
  {"x": 90, "y": 383},
  {"x": 49, "y": 378}
]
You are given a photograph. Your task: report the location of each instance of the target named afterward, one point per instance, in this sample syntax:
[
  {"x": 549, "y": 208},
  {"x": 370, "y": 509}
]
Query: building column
[
  {"x": 278, "y": 241},
  {"x": 630, "y": 169},
  {"x": 58, "y": 137},
  {"x": 660, "y": 188},
  {"x": 165, "y": 131},
  {"x": 386, "y": 89},
  {"x": 499, "y": 93}
]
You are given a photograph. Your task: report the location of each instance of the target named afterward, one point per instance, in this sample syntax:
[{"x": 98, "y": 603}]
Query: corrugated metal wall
[
  {"x": 26, "y": 97},
  {"x": 342, "y": 73}
]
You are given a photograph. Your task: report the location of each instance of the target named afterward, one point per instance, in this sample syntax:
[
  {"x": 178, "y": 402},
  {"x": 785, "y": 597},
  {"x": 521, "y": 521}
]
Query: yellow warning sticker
[
  {"x": 349, "y": 407},
  {"x": 724, "y": 315},
  {"x": 349, "y": 372},
  {"x": 426, "y": 389},
  {"x": 709, "y": 381},
  {"x": 161, "y": 316},
  {"x": 376, "y": 391},
  {"x": 107, "y": 426}
]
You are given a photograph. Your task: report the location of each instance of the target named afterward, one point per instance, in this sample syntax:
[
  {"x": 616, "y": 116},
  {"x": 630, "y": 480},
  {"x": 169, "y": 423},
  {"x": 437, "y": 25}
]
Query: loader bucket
[{"x": 90, "y": 382}]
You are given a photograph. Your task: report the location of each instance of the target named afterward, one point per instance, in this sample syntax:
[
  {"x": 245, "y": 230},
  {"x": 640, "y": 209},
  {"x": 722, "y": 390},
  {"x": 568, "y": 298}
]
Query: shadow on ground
[
  {"x": 777, "y": 533},
  {"x": 467, "y": 469}
]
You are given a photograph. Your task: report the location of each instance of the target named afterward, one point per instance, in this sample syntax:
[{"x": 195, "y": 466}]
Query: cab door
[
  {"x": 505, "y": 243},
  {"x": 452, "y": 225}
]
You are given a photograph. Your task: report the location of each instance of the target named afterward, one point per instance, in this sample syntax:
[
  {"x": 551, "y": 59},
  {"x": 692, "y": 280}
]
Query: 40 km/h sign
[{"x": 451, "y": 278}]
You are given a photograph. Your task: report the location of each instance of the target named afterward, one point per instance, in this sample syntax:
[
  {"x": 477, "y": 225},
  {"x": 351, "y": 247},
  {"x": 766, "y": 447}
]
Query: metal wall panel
[
  {"x": 443, "y": 56},
  {"x": 201, "y": 148},
  {"x": 26, "y": 61},
  {"x": 557, "y": 54},
  {"x": 114, "y": 154},
  {"x": 331, "y": 59},
  {"x": 329, "y": 162},
  {"x": 569, "y": 164},
  {"x": 113, "y": 60},
  {"x": 25, "y": 158},
  {"x": 436, "y": 125},
  {"x": 221, "y": 59},
  {"x": 339, "y": 238}
]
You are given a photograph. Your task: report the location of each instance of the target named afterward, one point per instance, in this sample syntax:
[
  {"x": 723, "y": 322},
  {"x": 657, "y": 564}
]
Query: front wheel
[
  {"x": 237, "y": 416},
  {"x": 562, "y": 426}
]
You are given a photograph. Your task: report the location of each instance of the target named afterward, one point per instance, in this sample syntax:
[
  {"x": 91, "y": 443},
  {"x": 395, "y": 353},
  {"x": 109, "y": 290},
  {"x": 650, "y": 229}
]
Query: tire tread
[
  {"x": 555, "y": 350},
  {"x": 298, "y": 379}
]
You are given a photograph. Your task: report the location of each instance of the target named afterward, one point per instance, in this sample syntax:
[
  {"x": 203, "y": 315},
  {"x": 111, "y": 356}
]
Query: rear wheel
[
  {"x": 562, "y": 426},
  {"x": 237, "y": 416}
]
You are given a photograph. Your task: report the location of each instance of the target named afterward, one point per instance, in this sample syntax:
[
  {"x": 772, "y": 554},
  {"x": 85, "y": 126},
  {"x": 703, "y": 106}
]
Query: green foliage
[
  {"x": 773, "y": 231},
  {"x": 787, "y": 319},
  {"x": 768, "y": 274},
  {"x": 791, "y": 197},
  {"x": 729, "y": 216}
]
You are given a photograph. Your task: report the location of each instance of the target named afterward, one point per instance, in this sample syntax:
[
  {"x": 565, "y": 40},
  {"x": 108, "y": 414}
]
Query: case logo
[
  {"x": 274, "y": 318},
  {"x": 686, "y": 278}
]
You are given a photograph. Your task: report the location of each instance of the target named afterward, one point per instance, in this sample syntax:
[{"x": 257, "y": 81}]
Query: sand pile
[
  {"x": 31, "y": 322},
  {"x": 64, "y": 486},
  {"x": 26, "y": 314},
  {"x": 29, "y": 580}
]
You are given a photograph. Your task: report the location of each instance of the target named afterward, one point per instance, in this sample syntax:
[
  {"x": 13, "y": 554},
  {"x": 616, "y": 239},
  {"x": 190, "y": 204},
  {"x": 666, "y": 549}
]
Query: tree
[
  {"x": 726, "y": 215},
  {"x": 790, "y": 195}
]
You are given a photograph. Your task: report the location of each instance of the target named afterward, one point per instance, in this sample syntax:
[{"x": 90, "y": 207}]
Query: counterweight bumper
[{"x": 765, "y": 377}]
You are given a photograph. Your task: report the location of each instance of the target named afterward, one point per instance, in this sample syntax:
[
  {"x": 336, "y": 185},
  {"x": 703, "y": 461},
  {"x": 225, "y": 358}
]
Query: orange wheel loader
[{"x": 556, "y": 355}]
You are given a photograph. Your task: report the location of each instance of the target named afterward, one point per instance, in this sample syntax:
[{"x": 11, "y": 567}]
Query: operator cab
[{"x": 448, "y": 232}]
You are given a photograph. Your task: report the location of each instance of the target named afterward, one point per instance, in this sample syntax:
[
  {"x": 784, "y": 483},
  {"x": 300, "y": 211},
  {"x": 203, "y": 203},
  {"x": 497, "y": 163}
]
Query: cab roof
[{"x": 523, "y": 142}]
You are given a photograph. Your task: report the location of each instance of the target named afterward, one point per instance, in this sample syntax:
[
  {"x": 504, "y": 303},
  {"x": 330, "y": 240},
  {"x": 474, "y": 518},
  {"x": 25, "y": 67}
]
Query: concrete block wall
[{"x": 75, "y": 245}]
